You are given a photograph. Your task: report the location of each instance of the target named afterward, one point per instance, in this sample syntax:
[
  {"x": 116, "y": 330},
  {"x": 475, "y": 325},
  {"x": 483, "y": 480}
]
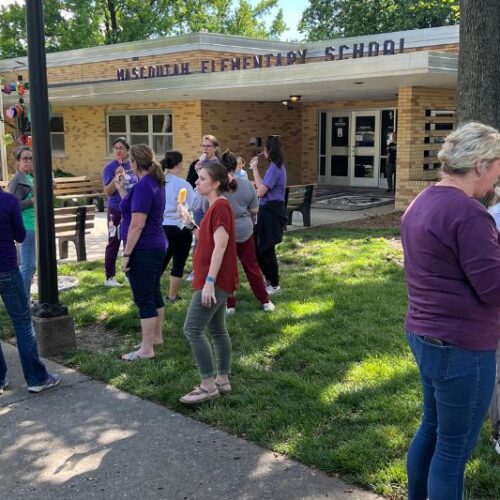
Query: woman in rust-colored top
[{"x": 215, "y": 278}]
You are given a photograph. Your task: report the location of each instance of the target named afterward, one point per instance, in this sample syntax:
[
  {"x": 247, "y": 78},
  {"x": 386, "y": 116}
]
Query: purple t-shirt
[
  {"x": 452, "y": 264},
  {"x": 108, "y": 175},
  {"x": 275, "y": 180},
  {"x": 147, "y": 197},
  {"x": 12, "y": 226}
]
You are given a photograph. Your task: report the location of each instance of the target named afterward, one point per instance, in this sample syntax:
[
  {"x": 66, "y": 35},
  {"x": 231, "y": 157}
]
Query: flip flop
[
  {"x": 139, "y": 345},
  {"x": 199, "y": 395},
  {"x": 133, "y": 356}
]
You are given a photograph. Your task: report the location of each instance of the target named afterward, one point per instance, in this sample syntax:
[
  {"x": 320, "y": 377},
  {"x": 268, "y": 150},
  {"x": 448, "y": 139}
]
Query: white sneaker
[
  {"x": 271, "y": 290},
  {"x": 269, "y": 307},
  {"x": 190, "y": 276},
  {"x": 230, "y": 311},
  {"x": 51, "y": 381},
  {"x": 3, "y": 386},
  {"x": 112, "y": 283}
]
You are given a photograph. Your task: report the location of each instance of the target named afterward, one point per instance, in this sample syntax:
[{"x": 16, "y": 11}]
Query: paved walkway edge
[{"x": 85, "y": 439}]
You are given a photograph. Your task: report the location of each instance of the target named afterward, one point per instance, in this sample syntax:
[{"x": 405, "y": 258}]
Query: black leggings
[
  {"x": 269, "y": 264},
  {"x": 179, "y": 244}
]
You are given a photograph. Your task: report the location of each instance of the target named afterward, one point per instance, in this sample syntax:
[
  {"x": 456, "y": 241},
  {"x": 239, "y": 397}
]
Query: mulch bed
[{"x": 378, "y": 221}]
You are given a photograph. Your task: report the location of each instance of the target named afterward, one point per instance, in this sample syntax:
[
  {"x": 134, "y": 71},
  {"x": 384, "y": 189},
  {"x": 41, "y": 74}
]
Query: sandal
[
  {"x": 133, "y": 356},
  {"x": 224, "y": 388},
  {"x": 138, "y": 346},
  {"x": 199, "y": 395}
]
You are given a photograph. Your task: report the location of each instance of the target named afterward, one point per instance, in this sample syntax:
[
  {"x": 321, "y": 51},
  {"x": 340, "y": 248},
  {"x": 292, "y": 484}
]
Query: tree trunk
[{"x": 478, "y": 89}]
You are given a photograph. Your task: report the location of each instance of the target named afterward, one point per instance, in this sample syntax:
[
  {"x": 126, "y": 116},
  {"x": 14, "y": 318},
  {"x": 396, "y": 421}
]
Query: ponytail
[
  {"x": 144, "y": 158},
  {"x": 171, "y": 160},
  {"x": 273, "y": 146}
]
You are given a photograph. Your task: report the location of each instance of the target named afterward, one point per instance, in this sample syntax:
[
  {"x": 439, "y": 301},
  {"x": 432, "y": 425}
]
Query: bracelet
[{"x": 209, "y": 279}]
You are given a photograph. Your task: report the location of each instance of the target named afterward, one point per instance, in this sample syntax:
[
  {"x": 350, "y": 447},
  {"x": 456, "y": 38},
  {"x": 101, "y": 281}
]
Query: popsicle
[{"x": 181, "y": 197}]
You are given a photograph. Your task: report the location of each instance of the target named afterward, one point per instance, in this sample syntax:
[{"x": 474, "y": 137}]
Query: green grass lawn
[{"x": 326, "y": 379}]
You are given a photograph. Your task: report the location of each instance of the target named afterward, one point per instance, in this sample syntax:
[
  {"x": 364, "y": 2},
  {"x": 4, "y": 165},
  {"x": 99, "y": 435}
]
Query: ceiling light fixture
[
  {"x": 285, "y": 102},
  {"x": 295, "y": 98}
]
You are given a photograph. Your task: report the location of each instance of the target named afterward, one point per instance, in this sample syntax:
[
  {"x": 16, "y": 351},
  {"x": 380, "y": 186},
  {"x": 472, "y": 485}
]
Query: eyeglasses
[
  {"x": 119, "y": 148},
  {"x": 26, "y": 158}
]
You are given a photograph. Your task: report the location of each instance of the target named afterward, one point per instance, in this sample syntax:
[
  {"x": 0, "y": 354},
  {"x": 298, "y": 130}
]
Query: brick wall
[
  {"x": 412, "y": 105},
  {"x": 234, "y": 123},
  {"x": 85, "y": 133}
]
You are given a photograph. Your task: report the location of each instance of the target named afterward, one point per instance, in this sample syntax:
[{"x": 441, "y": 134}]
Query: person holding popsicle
[{"x": 177, "y": 191}]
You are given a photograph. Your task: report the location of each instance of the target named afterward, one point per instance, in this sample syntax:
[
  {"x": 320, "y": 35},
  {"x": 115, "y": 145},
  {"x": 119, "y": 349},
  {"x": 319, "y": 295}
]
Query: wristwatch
[
  {"x": 126, "y": 255},
  {"x": 209, "y": 279},
  {"x": 192, "y": 227}
]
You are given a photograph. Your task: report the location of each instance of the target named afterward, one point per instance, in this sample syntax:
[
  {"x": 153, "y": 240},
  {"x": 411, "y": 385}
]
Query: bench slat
[{"x": 71, "y": 226}]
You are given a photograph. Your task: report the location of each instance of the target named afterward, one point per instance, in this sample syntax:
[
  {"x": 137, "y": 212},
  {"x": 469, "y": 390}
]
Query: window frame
[
  {"x": 128, "y": 134},
  {"x": 57, "y": 152}
]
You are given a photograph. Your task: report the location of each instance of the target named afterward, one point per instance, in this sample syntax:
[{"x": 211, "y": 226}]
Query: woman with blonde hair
[
  {"x": 452, "y": 265},
  {"x": 145, "y": 245}
]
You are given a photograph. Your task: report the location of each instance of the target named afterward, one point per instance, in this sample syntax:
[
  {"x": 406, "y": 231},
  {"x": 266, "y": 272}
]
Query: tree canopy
[
  {"x": 74, "y": 24},
  {"x": 326, "y": 19}
]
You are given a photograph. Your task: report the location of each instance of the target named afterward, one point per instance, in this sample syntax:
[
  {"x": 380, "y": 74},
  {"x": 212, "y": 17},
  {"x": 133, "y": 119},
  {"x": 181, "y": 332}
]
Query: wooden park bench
[
  {"x": 73, "y": 189},
  {"x": 298, "y": 199},
  {"x": 71, "y": 224}
]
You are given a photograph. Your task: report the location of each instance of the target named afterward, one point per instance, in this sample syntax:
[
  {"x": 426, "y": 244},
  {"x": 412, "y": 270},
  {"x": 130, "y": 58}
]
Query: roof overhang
[{"x": 350, "y": 79}]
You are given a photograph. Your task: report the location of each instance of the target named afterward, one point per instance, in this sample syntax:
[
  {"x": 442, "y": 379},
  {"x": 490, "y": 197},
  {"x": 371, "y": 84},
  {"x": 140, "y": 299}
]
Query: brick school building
[{"x": 334, "y": 103}]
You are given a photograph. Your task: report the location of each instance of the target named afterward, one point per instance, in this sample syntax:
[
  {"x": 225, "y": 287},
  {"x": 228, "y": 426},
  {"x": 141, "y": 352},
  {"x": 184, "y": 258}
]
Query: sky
[{"x": 292, "y": 10}]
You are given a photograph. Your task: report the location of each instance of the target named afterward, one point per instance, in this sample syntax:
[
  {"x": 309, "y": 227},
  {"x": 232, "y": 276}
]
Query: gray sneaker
[
  {"x": 51, "y": 381},
  {"x": 3, "y": 386}
]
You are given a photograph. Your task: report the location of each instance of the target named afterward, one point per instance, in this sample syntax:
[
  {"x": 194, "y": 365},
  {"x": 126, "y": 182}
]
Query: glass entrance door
[
  {"x": 338, "y": 132},
  {"x": 365, "y": 148},
  {"x": 352, "y": 153}
]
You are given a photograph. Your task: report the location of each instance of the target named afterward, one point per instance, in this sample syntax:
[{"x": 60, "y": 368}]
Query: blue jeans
[
  {"x": 28, "y": 260},
  {"x": 457, "y": 388},
  {"x": 144, "y": 277},
  {"x": 16, "y": 302}
]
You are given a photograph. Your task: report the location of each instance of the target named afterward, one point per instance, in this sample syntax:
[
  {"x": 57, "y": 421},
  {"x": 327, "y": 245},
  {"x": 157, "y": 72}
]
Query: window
[
  {"x": 142, "y": 127},
  {"x": 57, "y": 133}
]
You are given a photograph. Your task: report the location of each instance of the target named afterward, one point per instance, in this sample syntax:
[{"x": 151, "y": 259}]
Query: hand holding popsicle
[{"x": 181, "y": 197}]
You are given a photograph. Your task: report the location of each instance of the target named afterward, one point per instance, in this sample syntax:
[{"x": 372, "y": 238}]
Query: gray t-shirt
[{"x": 242, "y": 201}]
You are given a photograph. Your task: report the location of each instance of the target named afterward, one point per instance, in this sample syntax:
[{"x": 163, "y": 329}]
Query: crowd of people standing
[
  {"x": 451, "y": 258},
  {"x": 158, "y": 214}
]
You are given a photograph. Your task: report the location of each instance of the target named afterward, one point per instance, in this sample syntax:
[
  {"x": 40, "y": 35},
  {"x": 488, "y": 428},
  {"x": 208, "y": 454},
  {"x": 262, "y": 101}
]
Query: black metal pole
[{"x": 48, "y": 296}]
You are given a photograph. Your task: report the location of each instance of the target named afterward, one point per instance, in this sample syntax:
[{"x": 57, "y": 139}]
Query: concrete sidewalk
[{"x": 87, "y": 440}]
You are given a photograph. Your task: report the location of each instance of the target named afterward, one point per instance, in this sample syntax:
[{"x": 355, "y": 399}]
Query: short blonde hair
[{"x": 468, "y": 144}]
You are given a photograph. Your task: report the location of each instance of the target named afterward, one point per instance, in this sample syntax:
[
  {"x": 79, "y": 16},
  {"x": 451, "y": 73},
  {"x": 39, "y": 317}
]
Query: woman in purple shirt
[
  {"x": 452, "y": 264},
  {"x": 272, "y": 213},
  {"x": 120, "y": 165},
  {"x": 145, "y": 245},
  {"x": 15, "y": 298}
]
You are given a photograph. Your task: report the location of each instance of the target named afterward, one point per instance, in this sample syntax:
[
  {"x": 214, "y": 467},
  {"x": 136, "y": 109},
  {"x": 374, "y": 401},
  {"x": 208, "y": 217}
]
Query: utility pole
[{"x": 54, "y": 327}]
